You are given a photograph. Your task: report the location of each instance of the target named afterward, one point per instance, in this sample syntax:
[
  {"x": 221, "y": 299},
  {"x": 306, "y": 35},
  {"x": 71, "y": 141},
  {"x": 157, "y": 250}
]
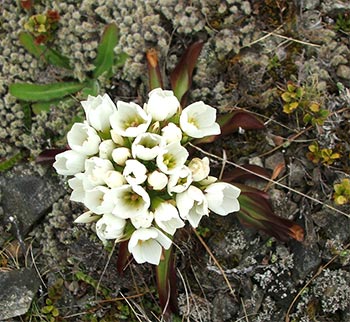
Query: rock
[
  {"x": 26, "y": 196},
  {"x": 310, "y": 4},
  {"x": 275, "y": 160},
  {"x": 306, "y": 259},
  {"x": 18, "y": 288},
  {"x": 343, "y": 71},
  {"x": 224, "y": 308},
  {"x": 334, "y": 226}
]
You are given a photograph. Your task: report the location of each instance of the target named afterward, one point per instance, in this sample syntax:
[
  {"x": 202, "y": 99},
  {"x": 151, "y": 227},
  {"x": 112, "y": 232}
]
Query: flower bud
[
  {"x": 114, "y": 179},
  {"x": 105, "y": 149},
  {"x": 117, "y": 139},
  {"x": 157, "y": 180},
  {"x": 171, "y": 133},
  {"x": 200, "y": 168},
  {"x": 120, "y": 155}
]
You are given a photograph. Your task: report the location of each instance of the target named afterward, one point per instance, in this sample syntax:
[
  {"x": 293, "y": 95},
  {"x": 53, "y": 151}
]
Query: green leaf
[
  {"x": 56, "y": 59},
  {"x": 43, "y": 107},
  {"x": 47, "y": 309},
  {"x": 166, "y": 282},
  {"x": 154, "y": 75},
  {"x": 27, "y": 41},
  {"x": 36, "y": 92},
  {"x": 10, "y": 162},
  {"x": 105, "y": 50},
  {"x": 50, "y": 55},
  {"x": 92, "y": 88}
]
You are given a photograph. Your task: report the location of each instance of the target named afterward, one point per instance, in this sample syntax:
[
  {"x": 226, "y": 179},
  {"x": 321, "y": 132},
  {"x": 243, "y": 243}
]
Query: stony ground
[{"x": 54, "y": 270}]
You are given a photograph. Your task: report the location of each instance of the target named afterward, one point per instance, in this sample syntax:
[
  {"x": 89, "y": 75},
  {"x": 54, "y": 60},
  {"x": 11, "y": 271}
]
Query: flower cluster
[{"x": 131, "y": 170}]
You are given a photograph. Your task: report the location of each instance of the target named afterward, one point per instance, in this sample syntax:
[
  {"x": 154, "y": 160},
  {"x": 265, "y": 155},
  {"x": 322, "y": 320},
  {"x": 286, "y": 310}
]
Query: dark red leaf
[
  {"x": 231, "y": 122},
  {"x": 237, "y": 119},
  {"x": 48, "y": 156},
  {"x": 181, "y": 76},
  {"x": 26, "y": 4},
  {"x": 123, "y": 256},
  {"x": 240, "y": 175},
  {"x": 256, "y": 212}
]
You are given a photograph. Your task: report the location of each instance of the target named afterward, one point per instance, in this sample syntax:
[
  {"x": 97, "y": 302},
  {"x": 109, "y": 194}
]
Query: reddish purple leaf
[
  {"x": 239, "y": 175},
  {"x": 48, "y": 156},
  {"x": 231, "y": 122},
  {"x": 256, "y": 212},
  {"x": 181, "y": 76}
]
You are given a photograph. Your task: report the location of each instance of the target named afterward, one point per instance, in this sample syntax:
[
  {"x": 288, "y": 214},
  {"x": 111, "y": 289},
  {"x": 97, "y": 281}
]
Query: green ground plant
[
  {"x": 322, "y": 155},
  {"x": 42, "y": 97},
  {"x": 342, "y": 192}
]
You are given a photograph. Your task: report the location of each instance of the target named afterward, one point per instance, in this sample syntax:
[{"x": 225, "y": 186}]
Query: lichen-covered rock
[
  {"x": 26, "y": 196},
  {"x": 18, "y": 288}
]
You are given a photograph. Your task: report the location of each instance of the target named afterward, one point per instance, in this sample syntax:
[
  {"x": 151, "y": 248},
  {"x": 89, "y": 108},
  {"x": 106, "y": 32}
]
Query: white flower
[
  {"x": 120, "y": 155},
  {"x": 96, "y": 170},
  {"x": 198, "y": 120},
  {"x": 180, "y": 180},
  {"x": 192, "y": 205},
  {"x": 94, "y": 199},
  {"x": 98, "y": 110},
  {"x": 130, "y": 201},
  {"x": 146, "y": 146},
  {"x": 83, "y": 138},
  {"x": 105, "y": 149},
  {"x": 222, "y": 198},
  {"x": 86, "y": 218},
  {"x": 143, "y": 221},
  {"x": 157, "y": 180},
  {"x": 130, "y": 119},
  {"x": 162, "y": 104},
  {"x": 171, "y": 133},
  {"x": 110, "y": 227},
  {"x": 200, "y": 168},
  {"x": 114, "y": 179},
  {"x": 171, "y": 158},
  {"x": 146, "y": 245},
  {"x": 77, "y": 184},
  {"x": 135, "y": 172},
  {"x": 69, "y": 163},
  {"x": 167, "y": 218}
]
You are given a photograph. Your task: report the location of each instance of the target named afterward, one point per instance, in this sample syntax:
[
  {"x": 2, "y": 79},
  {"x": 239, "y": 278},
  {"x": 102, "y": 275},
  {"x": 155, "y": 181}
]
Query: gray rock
[
  {"x": 225, "y": 308},
  {"x": 306, "y": 259},
  {"x": 310, "y": 4},
  {"x": 18, "y": 288},
  {"x": 343, "y": 71},
  {"x": 274, "y": 160},
  {"x": 334, "y": 5},
  {"x": 26, "y": 196}
]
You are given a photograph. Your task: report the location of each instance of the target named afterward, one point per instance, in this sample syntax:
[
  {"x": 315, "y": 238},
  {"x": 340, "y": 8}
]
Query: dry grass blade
[
  {"x": 215, "y": 261},
  {"x": 272, "y": 181}
]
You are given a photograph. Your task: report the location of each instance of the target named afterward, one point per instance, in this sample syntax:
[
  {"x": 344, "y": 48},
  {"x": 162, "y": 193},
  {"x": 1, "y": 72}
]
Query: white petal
[
  {"x": 69, "y": 163},
  {"x": 98, "y": 110},
  {"x": 222, "y": 198},
  {"x": 83, "y": 139},
  {"x": 130, "y": 119},
  {"x": 162, "y": 104},
  {"x": 86, "y": 217},
  {"x": 198, "y": 120}
]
